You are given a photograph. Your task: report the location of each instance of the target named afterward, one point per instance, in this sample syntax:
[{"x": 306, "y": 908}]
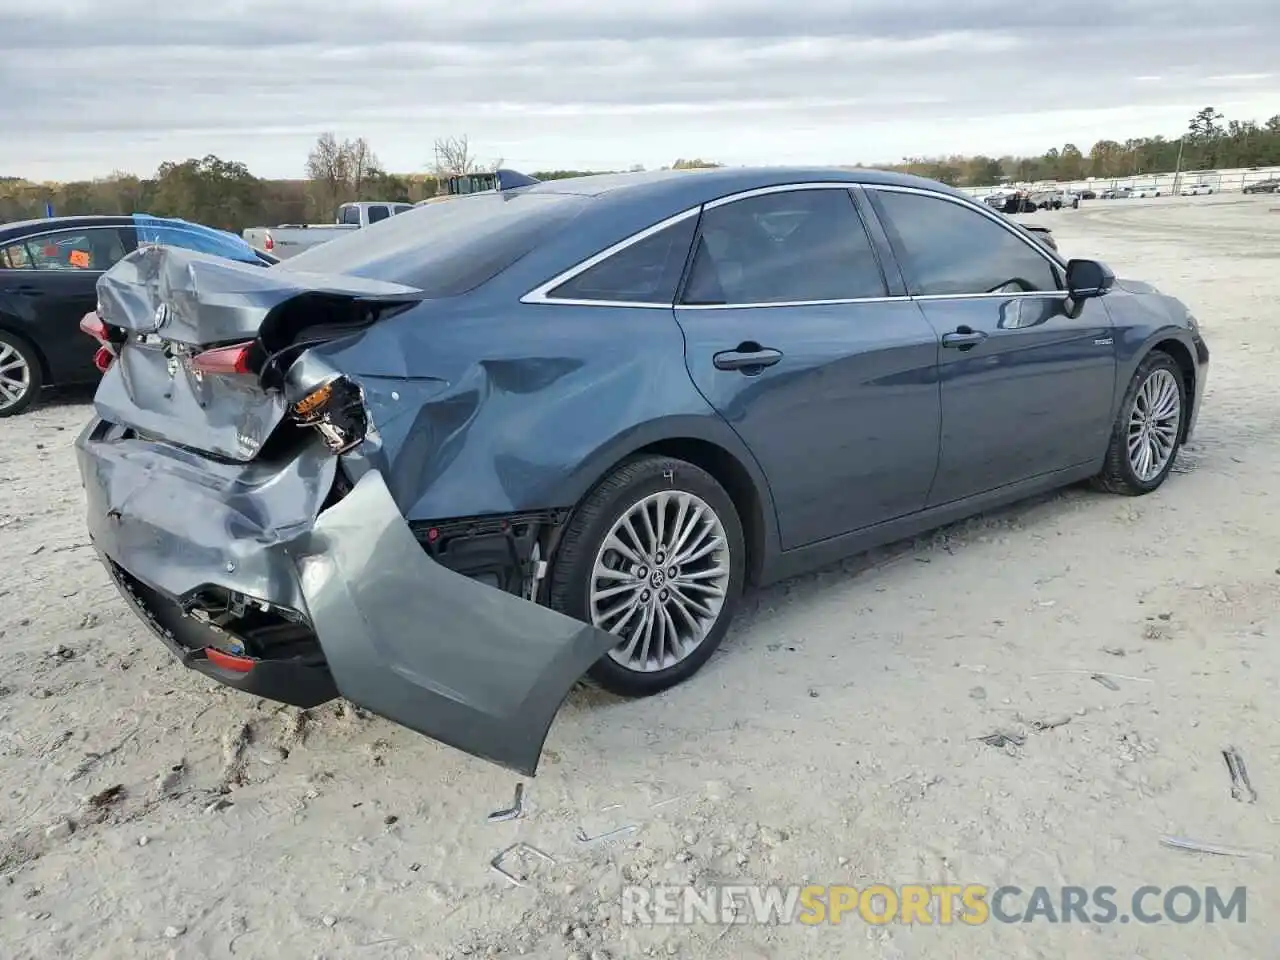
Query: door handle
[
  {"x": 25, "y": 289},
  {"x": 964, "y": 338},
  {"x": 746, "y": 357}
]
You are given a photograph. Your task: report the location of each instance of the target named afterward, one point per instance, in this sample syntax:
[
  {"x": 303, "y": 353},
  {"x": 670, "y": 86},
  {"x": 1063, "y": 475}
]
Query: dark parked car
[
  {"x": 48, "y": 272},
  {"x": 445, "y": 465},
  {"x": 1263, "y": 186}
]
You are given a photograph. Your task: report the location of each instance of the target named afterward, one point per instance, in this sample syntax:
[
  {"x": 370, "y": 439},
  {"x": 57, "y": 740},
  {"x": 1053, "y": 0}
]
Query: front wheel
[
  {"x": 655, "y": 555},
  {"x": 1148, "y": 429}
]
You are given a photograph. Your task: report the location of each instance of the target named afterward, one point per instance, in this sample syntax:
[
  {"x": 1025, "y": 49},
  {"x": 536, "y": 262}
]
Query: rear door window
[
  {"x": 796, "y": 246},
  {"x": 378, "y": 213}
]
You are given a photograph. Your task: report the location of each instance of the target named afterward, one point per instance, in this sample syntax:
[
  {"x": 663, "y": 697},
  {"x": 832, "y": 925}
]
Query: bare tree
[
  {"x": 363, "y": 163},
  {"x": 340, "y": 170},
  {"x": 328, "y": 168},
  {"x": 453, "y": 156}
]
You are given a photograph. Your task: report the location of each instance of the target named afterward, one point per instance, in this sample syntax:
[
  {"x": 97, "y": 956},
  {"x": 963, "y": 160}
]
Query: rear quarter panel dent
[{"x": 511, "y": 408}]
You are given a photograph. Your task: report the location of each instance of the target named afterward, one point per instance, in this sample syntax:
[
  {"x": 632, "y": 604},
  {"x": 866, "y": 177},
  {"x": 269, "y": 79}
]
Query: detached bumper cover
[{"x": 403, "y": 637}]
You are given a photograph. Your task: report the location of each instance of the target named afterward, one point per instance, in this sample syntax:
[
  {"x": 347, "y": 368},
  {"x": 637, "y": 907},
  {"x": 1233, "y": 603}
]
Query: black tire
[
  {"x": 609, "y": 502},
  {"x": 35, "y": 374},
  {"x": 1118, "y": 474}
]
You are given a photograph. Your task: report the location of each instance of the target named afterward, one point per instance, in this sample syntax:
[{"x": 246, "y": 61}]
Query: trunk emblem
[{"x": 163, "y": 315}]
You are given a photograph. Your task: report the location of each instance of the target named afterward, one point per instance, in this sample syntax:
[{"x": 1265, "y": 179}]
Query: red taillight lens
[
  {"x": 270, "y": 244},
  {"x": 103, "y": 359},
  {"x": 92, "y": 324},
  {"x": 232, "y": 360}
]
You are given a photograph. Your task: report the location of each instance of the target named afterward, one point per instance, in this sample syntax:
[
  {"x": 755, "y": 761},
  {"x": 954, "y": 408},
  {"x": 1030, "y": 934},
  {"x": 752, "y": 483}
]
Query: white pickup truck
[{"x": 289, "y": 239}]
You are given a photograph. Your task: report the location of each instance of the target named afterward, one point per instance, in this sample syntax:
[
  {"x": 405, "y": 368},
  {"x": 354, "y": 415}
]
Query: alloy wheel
[
  {"x": 15, "y": 376},
  {"x": 660, "y": 579},
  {"x": 1154, "y": 421}
]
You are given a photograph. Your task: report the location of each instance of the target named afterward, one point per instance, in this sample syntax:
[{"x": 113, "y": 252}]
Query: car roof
[
  {"x": 720, "y": 181},
  {"x": 24, "y": 227}
]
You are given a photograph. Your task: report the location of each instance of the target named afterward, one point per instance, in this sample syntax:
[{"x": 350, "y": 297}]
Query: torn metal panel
[
  {"x": 172, "y": 303},
  {"x": 178, "y": 521},
  {"x": 473, "y": 667},
  {"x": 197, "y": 298}
]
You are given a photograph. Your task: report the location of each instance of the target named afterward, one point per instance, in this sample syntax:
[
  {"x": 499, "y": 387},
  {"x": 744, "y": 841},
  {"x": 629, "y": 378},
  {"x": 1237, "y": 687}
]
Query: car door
[
  {"x": 59, "y": 288},
  {"x": 1027, "y": 376},
  {"x": 830, "y": 379}
]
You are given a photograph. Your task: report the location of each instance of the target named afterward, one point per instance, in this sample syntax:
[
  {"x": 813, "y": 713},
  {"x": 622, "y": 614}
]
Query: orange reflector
[
  {"x": 228, "y": 661},
  {"x": 314, "y": 400}
]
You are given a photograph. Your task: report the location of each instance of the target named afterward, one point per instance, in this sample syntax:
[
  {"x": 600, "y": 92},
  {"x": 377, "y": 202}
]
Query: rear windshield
[{"x": 445, "y": 248}]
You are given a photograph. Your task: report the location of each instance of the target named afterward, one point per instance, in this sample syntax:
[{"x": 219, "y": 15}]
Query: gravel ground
[{"x": 146, "y": 814}]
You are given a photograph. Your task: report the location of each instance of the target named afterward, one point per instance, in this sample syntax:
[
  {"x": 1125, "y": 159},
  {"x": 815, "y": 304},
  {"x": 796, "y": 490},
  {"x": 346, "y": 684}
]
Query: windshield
[{"x": 445, "y": 248}]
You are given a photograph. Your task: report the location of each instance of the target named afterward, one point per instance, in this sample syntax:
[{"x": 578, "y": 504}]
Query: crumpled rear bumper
[{"x": 400, "y": 635}]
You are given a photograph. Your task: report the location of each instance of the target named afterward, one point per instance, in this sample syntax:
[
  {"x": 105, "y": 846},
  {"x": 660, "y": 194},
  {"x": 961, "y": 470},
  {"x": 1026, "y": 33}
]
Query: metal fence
[{"x": 1222, "y": 181}]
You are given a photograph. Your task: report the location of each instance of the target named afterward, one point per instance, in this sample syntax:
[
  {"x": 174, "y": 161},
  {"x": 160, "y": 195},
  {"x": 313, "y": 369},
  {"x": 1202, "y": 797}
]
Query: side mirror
[{"x": 1088, "y": 278}]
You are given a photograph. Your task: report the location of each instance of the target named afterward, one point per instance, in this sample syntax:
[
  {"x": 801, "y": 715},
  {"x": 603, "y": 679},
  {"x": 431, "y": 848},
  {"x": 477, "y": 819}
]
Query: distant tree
[
  {"x": 340, "y": 171},
  {"x": 1070, "y": 163},
  {"x": 1204, "y": 125},
  {"x": 216, "y": 192}
]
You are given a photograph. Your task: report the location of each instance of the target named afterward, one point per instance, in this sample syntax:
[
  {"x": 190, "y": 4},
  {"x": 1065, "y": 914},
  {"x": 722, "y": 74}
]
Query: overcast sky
[{"x": 89, "y": 86}]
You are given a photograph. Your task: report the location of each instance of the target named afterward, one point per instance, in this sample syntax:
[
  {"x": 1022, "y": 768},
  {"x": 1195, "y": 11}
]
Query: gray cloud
[{"x": 572, "y": 83}]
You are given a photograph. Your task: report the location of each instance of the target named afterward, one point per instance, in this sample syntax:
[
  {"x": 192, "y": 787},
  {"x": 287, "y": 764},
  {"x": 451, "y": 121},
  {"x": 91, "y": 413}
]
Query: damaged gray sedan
[{"x": 447, "y": 465}]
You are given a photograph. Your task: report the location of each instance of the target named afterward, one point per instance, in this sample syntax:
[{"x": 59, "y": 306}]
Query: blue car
[
  {"x": 445, "y": 465},
  {"x": 49, "y": 271}
]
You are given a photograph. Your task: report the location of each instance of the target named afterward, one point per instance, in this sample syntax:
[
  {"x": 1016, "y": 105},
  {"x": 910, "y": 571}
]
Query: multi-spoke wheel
[
  {"x": 19, "y": 375},
  {"x": 1148, "y": 430},
  {"x": 656, "y": 556}
]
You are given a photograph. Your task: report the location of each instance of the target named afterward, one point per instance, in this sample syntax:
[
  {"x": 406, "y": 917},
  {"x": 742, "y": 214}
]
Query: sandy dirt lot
[{"x": 832, "y": 739}]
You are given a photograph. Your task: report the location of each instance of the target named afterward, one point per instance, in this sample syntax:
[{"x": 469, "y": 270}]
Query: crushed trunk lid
[{"x": 170, "y": 304}]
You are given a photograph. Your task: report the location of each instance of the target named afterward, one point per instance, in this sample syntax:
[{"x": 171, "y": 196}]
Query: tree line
[
  {"x": 1208, "y": 144},
  {"x": 224, "y": 193}
]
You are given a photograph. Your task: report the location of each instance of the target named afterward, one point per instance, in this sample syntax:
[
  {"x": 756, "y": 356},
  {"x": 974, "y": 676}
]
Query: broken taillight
[
  {"x": 93, "y": 324},
  {"x": 336, "y": 410},
  {"x": 227, "y": 361}
]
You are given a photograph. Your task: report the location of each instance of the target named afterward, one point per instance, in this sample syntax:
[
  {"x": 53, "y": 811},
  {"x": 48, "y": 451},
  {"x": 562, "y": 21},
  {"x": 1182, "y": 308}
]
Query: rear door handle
[
  {"x": 25, "y": 289},
  {"x": 963, "y": 338},
  {"x": 747, "y": 357}
]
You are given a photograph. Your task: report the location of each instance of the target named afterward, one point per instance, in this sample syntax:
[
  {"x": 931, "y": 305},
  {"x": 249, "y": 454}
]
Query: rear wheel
[
  {"x": 655, "y": 555},
  {"x": 20, "y": 374},
  {"x": 1148, "y": 428}
]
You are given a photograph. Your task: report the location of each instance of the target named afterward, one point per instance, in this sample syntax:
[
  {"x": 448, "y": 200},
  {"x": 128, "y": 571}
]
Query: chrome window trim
[
  {"x": 539, "y": 293},
  {"x": 782, "y": 188},
  {"x": 788, "y": 303}
]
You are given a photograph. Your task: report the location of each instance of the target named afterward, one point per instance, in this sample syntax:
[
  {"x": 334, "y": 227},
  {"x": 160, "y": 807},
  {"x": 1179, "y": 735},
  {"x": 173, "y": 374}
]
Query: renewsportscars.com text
[{"x": 929, "y": 904}]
